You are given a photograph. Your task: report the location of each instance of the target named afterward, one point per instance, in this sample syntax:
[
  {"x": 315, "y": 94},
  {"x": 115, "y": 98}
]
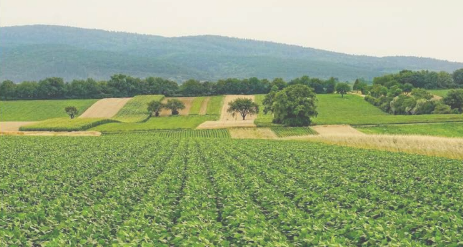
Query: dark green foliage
[
  {"x": 243, "y": 106},
  {"x": 442, "y": 109},
  {"x": 420, "y": 79},
  {"x": 402, "y": 105},
  {"x": 71, "y": 111},
  {"x": 458, "y": 77},
  {"x": 342, "y": 88},
  {"x": 419, "y": 93},
  {"x": 454, "y": 99},
  {"x": 174, "y": 105},
  {"x": 36, "y": 52},
  {"x": 155, "y": 107},
  {"x": 294, "y": 106}
]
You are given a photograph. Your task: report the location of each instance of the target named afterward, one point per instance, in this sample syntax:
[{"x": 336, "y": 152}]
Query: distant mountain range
[{"x": 39, "y": 51}]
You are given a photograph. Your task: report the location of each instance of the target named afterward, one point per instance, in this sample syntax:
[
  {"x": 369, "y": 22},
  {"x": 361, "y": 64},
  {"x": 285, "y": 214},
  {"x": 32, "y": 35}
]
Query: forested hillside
[{"x": 36, "y": 52}]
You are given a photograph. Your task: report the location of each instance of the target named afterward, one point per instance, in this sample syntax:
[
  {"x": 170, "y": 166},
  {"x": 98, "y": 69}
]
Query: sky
[{"x": 423, "y": 28}]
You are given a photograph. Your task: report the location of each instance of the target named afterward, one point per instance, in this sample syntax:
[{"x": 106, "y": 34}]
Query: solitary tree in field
[
  {"x": 243, "y": 106},
  {"x": 175, "y": 105},
  {"x": 155, "y": 107},
  {"x": 71, "y": 111},
  {"x": 342, "y": 88}
]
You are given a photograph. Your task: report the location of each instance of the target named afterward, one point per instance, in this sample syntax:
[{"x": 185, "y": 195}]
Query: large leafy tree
[
  {"x": 454, "y": 99},
  {"x": 71, "y": 111},
  {"x": 294, "y": 106},
  {"x": 243, "y": 106},
  {"x": 175, "y": 105},
  {"x": 342, "y": 88},
  {"x": 155, "y": 107}
]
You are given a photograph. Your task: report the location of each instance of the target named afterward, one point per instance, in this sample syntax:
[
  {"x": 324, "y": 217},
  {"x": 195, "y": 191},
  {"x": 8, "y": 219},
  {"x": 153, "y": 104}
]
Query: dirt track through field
[
  {"x": 252, "y": 133},
  {"x": 188, "y": 101},
  {"x": 203, "y": 109},
  {"x": 227, "y": 120},
  {"x": 105, "y": 108},
  {"x": 13, "y": 126},
  {"x": 336, "y": 130}
]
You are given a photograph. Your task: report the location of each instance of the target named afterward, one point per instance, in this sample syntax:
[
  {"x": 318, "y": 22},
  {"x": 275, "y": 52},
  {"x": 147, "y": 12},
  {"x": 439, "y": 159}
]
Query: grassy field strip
[
  {"x": 431, "y": 129},
  {"x": 196, "y": 105},
  {"x": 204, "y": 104},
  {"x": 157, "y": 123},
  {"x": 293, "y": 131},
  {"x": 214, "y": 106},
  {"x": 426, "y": 145},
  {"x": 38, "y": 110},
  {"x": 135, "y": 110},
  {"x": 66, "y": 124},
  {"x": 262, "y": 120},
  {"x": 50, "y": 133},
  {"x": 105, "y": 108},
  {"x": 439, "y": 92}
]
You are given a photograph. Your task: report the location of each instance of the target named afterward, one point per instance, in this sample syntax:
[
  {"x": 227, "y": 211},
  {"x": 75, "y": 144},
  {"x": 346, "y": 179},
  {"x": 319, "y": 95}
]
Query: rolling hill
[{"x": 39, "y": 51}]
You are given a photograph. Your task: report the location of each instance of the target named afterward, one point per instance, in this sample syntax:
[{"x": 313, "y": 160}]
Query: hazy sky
[{"x": 426, "y": 28}]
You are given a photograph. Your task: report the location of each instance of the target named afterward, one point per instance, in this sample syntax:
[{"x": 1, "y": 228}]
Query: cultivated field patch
[
  {"x": 432, "y": 129},
  {"x": 188, "y": 101},
  {"x": 38, "y": 110},
  {"x": 136, "y": 109},
  {"x": 252, "y": 133},
  {"x": 65, "y": 124},
  {"x": 128, "y": 189},
  {"x": 13, "y": 126},
  {"x": 336, "y": 130},
  {"x": 227, "y": 120},
  {"x": 293, "y": 131},
  {"x": 105, "y": 108}
]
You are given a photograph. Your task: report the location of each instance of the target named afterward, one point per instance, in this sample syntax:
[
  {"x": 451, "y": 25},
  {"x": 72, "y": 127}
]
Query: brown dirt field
[
  {"x": 227, "y": 120},
  {"x": 188, "y": 101},
  {"x": 13, "y": 126},
  {"x": 225, "y": 116},
  {"x": 203, "y": 109},
  {"x": 336, "y": 130},
  {"x": 436, "y": 97},
  {"x": 226, "y": 124},
  {"x": 50, "y": 133},
  {"x": 105, "y": 108},
  {"x": 252, "y": 133}
]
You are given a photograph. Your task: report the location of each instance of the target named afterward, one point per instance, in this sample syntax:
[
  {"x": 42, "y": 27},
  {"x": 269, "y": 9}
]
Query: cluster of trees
[
  {"x": 403, "y": 93},
  {"x": 126, "y": 86},
  {"x": 417, "y": 102},
  {"x": 174, "y": 105},
  {"x": 295, "y": 105},
  {"x": 423, "y": 79}
]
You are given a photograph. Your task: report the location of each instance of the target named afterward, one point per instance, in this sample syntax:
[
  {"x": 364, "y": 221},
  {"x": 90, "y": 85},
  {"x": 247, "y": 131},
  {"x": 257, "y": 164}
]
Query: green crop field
[
  {"x": 353, "y": 109},
  {"x": 140, "y": 190},
  {"x": 66, "y": 124},
  {"x": 136, "y": 109},
  {"x": 37, "y": 110},
  {"x": 440, "y": 92},
  {"x": 157, "y": 123},
  {"x": 196, "y": 105},
  {"x": 214, "y": 106},
  {"x": 435, "y": 129},
  {"x": 185, "y": 133},
  {"x": 293, "y": 131}
]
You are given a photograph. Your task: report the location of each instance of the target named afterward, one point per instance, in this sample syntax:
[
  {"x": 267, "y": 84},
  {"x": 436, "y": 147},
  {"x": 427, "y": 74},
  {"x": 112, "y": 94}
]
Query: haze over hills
[{"x": 39, "y": 51}]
